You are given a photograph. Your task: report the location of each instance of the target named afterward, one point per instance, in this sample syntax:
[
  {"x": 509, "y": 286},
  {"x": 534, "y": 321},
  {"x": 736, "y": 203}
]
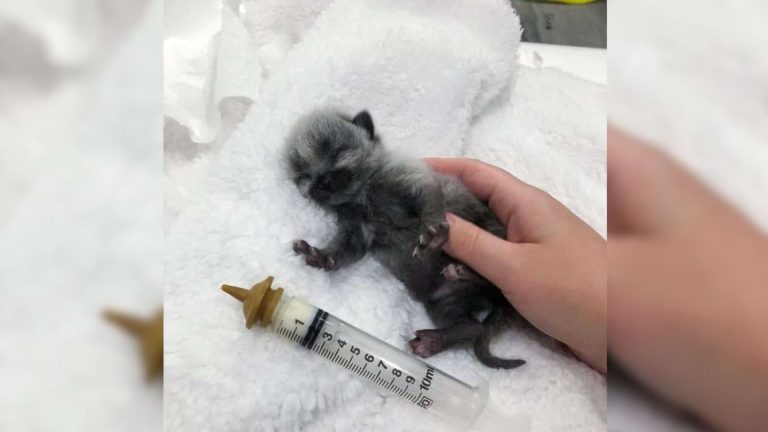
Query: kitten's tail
[{"x": 493, "y": 323}]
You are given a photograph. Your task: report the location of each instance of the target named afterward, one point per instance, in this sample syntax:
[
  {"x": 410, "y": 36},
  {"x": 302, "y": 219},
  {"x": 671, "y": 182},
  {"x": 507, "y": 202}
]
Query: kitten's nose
[
  {"x": 321, "y": 188},
  {"x": 319, "y": 195},
  {"x": 323, "y": 183}
]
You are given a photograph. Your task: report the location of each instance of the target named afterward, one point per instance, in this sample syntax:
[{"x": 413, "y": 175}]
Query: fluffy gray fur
[{"x": 395, "y": 209}]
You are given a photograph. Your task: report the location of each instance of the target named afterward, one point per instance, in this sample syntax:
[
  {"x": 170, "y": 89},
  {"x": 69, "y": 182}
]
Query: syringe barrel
[{"x": 401, "y": 373}]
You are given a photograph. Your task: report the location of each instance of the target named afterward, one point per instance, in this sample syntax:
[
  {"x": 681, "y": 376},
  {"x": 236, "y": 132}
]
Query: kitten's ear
[{"x": 364, "y": 120}]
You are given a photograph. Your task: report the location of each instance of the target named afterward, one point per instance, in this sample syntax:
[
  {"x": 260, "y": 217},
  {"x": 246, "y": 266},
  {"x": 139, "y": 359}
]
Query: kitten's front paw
[
  {"x": 313, "y": 256},
  {"x": 432, "y": 239}
]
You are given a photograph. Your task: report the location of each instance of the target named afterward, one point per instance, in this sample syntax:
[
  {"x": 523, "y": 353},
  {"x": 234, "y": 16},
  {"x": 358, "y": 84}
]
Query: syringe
[{"x": 394, "y": 370}]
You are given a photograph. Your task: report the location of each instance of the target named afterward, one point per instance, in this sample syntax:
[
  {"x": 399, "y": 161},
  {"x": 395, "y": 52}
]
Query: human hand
[
  {"x": 689, "y": 292},
  {"x": 552, "y": 265}
]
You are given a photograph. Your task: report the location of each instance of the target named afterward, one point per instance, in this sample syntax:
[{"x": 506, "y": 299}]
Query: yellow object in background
[{"x": 571, "y": 2}]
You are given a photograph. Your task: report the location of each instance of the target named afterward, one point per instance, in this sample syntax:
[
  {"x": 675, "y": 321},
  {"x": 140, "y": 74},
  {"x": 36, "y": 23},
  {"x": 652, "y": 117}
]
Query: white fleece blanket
[{"x": 438, "y": 78}]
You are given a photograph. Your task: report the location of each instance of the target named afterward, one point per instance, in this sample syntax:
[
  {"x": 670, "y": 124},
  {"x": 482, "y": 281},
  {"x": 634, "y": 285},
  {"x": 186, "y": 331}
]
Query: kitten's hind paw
[
  {"x": 459, "y": 272},
  {"x": 432, "y": 239},
  {"x": 313, "y": 256},
  {"x": 453, "y": 272},
  {"x": 427, "y": 343}
]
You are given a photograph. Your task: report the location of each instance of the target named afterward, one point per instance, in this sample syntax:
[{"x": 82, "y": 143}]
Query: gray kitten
[{"x": 395, "y": 208}]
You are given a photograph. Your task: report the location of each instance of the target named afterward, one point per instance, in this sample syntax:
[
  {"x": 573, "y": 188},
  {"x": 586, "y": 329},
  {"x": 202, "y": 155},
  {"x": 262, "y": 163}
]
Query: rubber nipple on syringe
[
  {"x": 150, "y": 335},
  {"x": 259, "y": 302}
]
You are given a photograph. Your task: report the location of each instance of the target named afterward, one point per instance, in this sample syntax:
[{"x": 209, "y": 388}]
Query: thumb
[{"x": 487, "y": 254}]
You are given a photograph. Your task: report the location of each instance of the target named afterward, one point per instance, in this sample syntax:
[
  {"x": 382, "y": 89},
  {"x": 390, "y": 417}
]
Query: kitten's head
[{"x": 328, "y": 155}]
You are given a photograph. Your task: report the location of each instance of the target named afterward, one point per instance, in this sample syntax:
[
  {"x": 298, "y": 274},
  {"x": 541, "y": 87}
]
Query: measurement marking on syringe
[{"x": 349, "y": 362}]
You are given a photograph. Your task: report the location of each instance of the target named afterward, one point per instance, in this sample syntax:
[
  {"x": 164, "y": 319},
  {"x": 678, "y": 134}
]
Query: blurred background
[
  {"x": 688, "y": 78},
  {"x": 80, "y": 212}
]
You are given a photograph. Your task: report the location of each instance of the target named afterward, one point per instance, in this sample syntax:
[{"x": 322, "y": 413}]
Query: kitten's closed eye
[{"x": 302, "y": 178}]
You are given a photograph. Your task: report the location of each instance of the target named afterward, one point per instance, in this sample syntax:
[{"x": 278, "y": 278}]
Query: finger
[
  {"x": 637, "y": 198},
  {"x": 484, "y": 252},
  {"x": 506, "y": 195},
  {"x": 650, "y": 193},
  {"x": 480, "y": 178}
]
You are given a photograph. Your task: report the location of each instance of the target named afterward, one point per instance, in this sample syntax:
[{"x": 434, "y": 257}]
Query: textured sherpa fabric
[{"x": 438, "y": 78}]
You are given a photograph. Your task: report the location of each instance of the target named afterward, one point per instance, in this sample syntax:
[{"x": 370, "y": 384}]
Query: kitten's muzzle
[
  {"x": 330, "y": 186},
  {"x": 319, "y": 195},
  {"x": 321, "y": 188}
]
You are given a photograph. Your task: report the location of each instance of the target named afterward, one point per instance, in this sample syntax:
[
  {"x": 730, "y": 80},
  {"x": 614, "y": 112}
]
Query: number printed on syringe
[{"x": 325, "y": 336}]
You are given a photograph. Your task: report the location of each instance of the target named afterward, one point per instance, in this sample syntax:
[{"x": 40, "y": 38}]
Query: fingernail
[{"x": 450, "y": 217}]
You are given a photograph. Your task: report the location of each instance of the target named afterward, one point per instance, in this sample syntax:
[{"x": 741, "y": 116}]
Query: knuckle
[
  {"x": 471, "y": 241},
  {"x": 475, "y": 239}
]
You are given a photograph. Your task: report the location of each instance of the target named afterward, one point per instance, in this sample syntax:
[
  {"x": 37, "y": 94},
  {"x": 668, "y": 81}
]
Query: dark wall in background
[{"x": 560, "y": 24}]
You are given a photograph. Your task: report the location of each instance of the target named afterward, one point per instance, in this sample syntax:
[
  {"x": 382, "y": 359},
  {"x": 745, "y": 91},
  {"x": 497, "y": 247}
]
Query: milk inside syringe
[{"x": 392, "y": 369}]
